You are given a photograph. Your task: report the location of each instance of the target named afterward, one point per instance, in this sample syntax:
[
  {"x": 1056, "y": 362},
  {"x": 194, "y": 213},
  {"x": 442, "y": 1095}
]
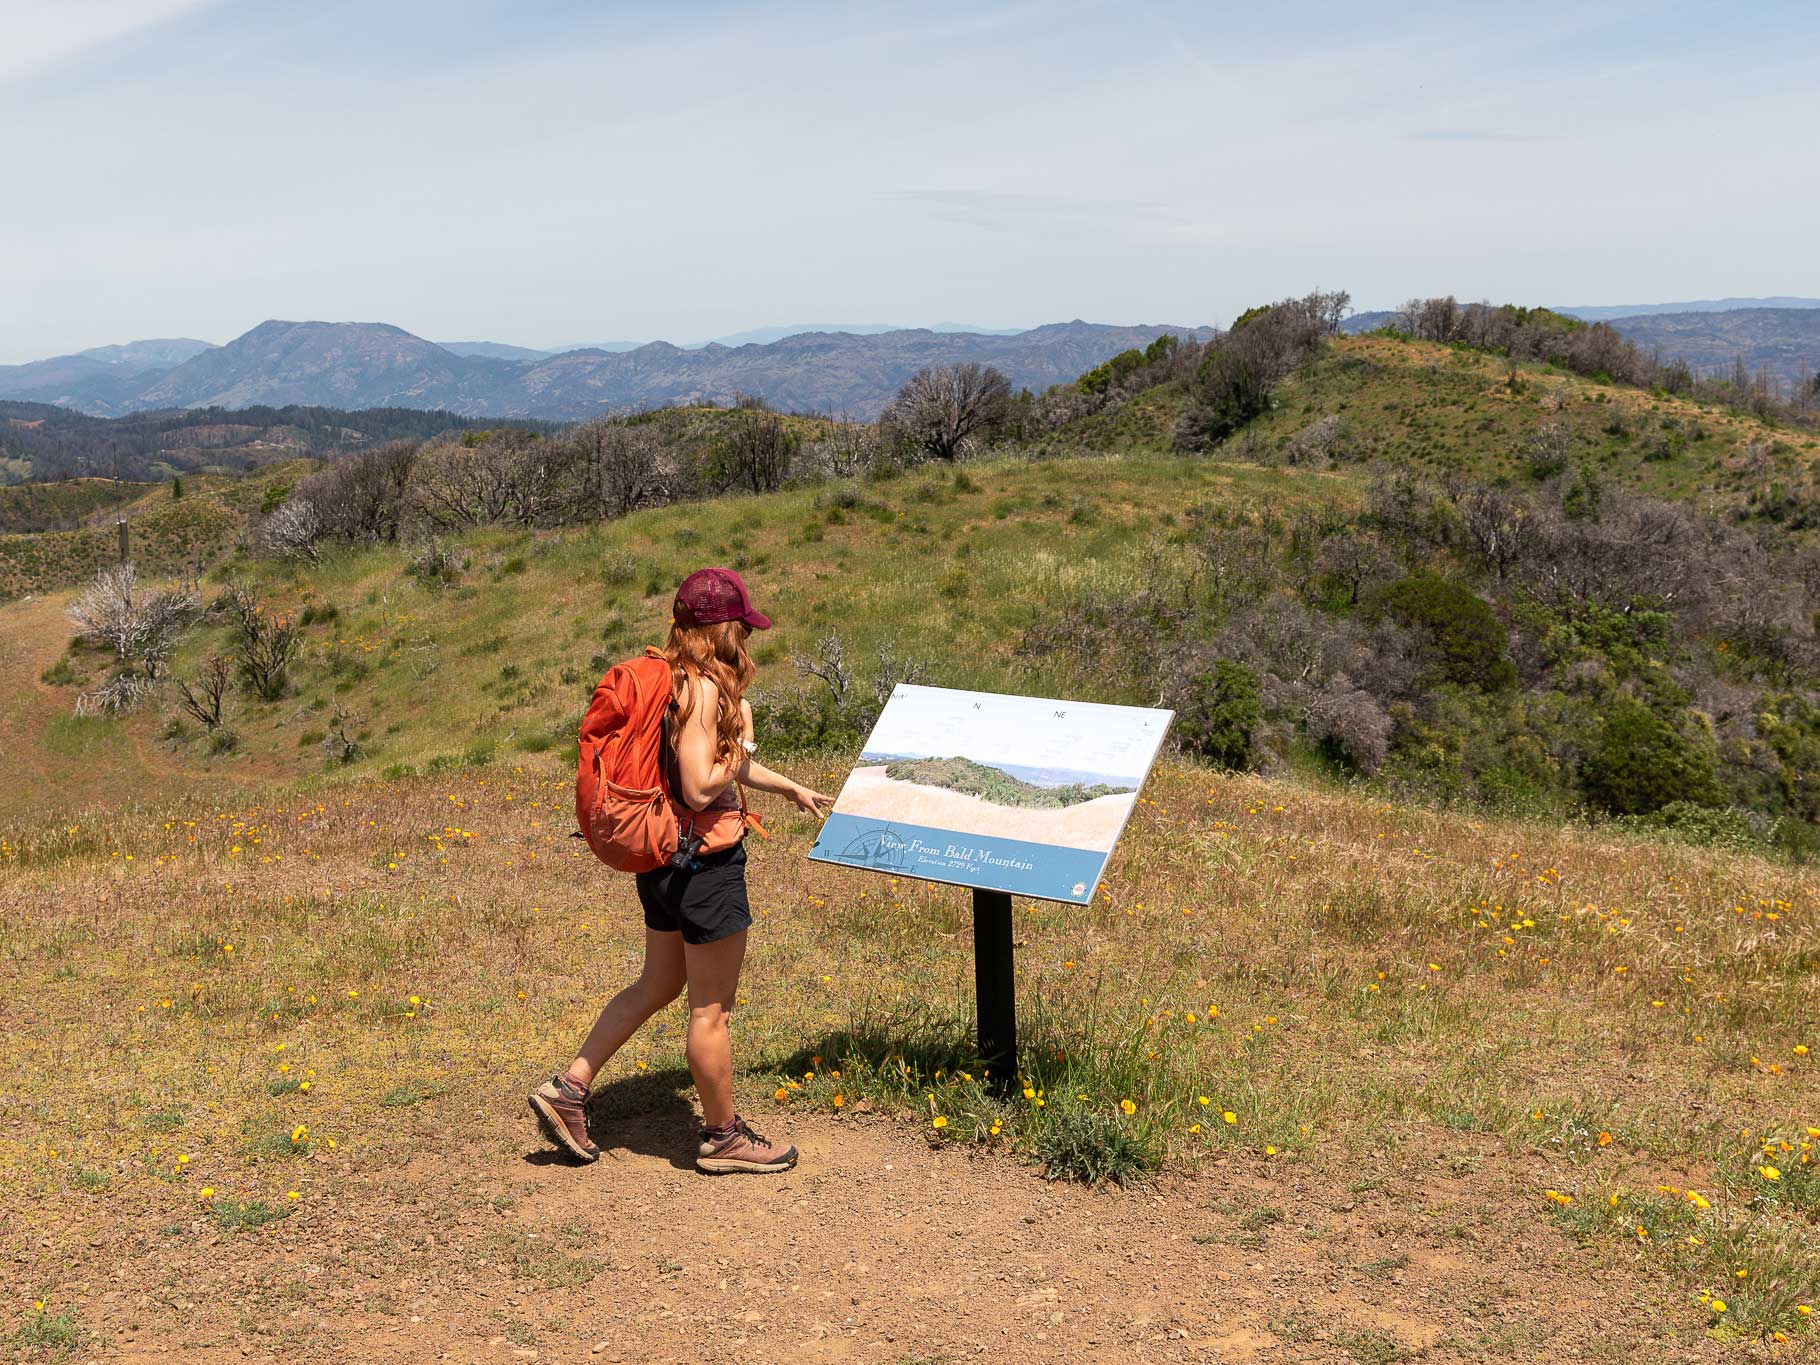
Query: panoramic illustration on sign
[{"x": 1017, "y": 794}]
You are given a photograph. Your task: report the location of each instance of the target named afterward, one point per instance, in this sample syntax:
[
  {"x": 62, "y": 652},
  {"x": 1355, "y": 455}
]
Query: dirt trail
[
  {"x": 876, "y": 1249},
  {"x": 34, "y": 632}
]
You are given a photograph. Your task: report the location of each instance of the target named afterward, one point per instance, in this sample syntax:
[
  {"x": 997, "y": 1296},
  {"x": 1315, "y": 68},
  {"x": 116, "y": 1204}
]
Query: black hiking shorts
[{"x": 704, "y": 905}]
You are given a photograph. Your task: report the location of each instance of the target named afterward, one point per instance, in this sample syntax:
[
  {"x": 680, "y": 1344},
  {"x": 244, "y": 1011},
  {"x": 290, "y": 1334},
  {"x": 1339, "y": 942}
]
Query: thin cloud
[
  {"x": 1471, "y": 135},
  {"x": 41, "y": 35}
]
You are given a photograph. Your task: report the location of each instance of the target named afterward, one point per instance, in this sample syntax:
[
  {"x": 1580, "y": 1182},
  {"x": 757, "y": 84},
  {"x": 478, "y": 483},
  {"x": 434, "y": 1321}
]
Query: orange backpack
[{"x": 623, "y": 805}]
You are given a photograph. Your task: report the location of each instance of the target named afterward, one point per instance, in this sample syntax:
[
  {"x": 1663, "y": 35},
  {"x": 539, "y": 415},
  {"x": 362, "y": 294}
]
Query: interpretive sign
[{"x": 1015, "y": 794}]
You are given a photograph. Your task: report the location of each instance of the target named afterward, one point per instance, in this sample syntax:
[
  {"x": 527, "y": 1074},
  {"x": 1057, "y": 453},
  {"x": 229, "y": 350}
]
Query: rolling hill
[{"x": 1779, "y": 336}]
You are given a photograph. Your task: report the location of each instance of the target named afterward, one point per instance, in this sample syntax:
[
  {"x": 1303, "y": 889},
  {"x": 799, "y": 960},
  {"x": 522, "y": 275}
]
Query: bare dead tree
[
  {"x": 202, "y": 696},
  {"x": 944, "y": 406},
  {"x": 893, "y": 670},
  {"x": 621, "y": 468},
  {"x": 1356, "y": 561},
  {"x": 483, "y": 479},
  {"x": 1499, "y": 527},
  {"x": 363, "y": 496},
  {"x": 759, "y": 448},
  {"x": 829, "y": 666},
  {"x": 1330, "y": 308},
  {"x": 1639, "y": 549},
  {"x": 115, "y": 695},
  {"x": 293, "y": 530},
  {"x": 848, "y": 450},
  {"x": 342, "y": 744},
  {"x": 140, "y": 627}
]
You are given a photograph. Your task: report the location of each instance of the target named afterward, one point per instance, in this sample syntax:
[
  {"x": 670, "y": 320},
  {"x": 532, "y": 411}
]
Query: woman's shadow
[{"x": 647, "y": 1112}]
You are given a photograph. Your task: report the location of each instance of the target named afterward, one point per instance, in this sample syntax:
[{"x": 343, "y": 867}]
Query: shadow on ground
[{"x": 648, "y": 1113}]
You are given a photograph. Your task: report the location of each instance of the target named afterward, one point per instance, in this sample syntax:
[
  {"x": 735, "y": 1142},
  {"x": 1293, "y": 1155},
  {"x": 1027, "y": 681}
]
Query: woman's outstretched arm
[{"x": 704, "y": 776}]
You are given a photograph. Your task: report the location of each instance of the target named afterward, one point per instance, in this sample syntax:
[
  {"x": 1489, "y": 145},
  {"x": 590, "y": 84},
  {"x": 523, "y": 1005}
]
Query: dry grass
[{"x": 259, "y": 987}]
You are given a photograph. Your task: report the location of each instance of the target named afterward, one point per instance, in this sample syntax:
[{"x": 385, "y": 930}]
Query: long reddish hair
[{"x": 718, "y": 653}]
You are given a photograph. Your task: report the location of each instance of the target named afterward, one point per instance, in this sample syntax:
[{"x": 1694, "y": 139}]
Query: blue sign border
[{"x": 1047, "y": 871}]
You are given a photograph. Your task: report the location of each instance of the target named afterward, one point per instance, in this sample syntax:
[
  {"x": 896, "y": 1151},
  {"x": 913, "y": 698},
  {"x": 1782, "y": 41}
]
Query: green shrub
[
  {"x": 1582, "y": 500},
  {"x": 1219, "y": 715},
  {"x": 618, "y": 567},
  {"x": 1467, "y": 634},
  {"x": 1641, "y": 764},
  {"x": 797, "y": 723},
  {"x": 1791, "y": 728},
  {"x": 1685, "y": 822},
  {"x": 58, "y": 1333},
  {"x": 1081, "y": 1145},
  {"x": 234, "y": 1215},
  {"x": 1101, "y": 377},
  {"x": 1229, "y": 390}
]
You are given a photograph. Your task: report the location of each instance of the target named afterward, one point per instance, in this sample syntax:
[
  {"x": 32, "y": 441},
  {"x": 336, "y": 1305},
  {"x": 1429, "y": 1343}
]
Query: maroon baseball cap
[{"x": 710, "y": 595}]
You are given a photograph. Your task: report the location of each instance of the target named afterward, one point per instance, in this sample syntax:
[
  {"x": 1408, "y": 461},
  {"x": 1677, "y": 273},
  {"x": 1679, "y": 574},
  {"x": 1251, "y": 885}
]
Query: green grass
[
  {"x": 55, "y": 1335},
  {"x": 407, "y": 1096},
  {"x": 242, "y": 1215},
  {"x": 63, "y": 504},
  {"x": 1438, "y": 411},
  {"x": 82, "y": 736}
]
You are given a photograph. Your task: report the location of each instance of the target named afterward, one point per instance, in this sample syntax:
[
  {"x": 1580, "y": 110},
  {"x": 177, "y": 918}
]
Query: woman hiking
[{"x": 696, "y": 912}]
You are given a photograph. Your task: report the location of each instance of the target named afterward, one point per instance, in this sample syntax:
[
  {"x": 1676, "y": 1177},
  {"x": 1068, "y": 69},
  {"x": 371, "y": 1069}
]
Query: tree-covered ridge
[
  {"x": 994, "y": 784},
  {"x": 44, "y": 442}
]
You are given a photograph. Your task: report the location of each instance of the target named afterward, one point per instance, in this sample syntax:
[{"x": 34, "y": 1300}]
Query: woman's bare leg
[
  {"x": 658, "y": 984},
  {"x": 713, "y": 971}
]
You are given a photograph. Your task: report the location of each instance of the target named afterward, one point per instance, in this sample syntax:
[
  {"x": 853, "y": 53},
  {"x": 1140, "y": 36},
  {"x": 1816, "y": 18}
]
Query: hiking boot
[
  {"x": 561, "y": 1109},
  {"x": 740, "y": 1149}
]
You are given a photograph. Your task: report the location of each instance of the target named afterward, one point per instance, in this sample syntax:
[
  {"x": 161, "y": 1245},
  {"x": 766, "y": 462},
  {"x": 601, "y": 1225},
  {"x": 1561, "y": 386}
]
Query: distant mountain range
[
  {"x": 1607, "y": 312},
  {"x": 352, "y": 365},
  {"x": 757, "y": 336}
]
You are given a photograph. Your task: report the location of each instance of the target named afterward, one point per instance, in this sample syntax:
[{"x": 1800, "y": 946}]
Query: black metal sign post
[{"x": 994, "y": 990}]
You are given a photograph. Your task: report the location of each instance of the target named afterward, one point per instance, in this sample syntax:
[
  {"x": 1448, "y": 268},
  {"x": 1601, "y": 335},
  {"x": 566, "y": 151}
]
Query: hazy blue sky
[{"x": 552, "y": 172}]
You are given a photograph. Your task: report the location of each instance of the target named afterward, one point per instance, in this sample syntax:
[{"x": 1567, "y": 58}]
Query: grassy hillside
[
  {"x": 168, "y": 535},
  {"x": 502, "y": 660},
  {"x": 1442, "y": 410},
  {"x": 61, "y": 505}
]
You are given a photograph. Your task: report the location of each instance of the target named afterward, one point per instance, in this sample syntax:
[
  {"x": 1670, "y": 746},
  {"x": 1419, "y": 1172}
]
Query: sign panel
[{"x": 1017, "y": 794}]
